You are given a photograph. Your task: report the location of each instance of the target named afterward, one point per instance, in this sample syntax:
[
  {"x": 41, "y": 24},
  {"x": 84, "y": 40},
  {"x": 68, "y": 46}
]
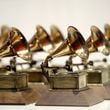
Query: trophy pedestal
[
  {"x": 32, "y": 94},
  {"x": 98, "y": 75},
  {"x": 15, "y": 81},
  {"x": 71, "y": 80},
  {"x": 62, "y": 92},
  {"x": 68, "y": 97},
  {"x": 107, "y": 89}
]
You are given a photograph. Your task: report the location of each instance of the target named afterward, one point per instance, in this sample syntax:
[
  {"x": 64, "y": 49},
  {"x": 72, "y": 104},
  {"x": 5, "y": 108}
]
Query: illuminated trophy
[
  {"x": 97, "y": 43},
  {"x": 61, "y": 79},
  {"x": 13, "y": 43},
  {"x": 42, "y": 41}
]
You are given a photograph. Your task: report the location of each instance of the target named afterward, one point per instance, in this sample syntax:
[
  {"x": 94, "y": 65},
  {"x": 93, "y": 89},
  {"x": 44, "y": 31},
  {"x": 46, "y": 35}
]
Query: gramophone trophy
[
  {"x": 62, "y": 78},
  {"x": 42, "y": 41},
  {"x": 97, "y": 43},
  {"x": 68, "y": 87},
  {"x": 13, "y": 43},
  {"x": 14, "y": 86},
  {"x": 39, "y": 42}
]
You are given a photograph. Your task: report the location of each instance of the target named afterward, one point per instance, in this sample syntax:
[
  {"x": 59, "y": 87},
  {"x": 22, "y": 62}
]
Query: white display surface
[
  {"x": 26, "y": 14},
  {"x": 101, "y": 106}
]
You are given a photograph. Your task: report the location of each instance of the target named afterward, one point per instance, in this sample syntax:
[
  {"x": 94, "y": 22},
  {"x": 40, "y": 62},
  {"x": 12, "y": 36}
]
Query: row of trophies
[{"x": 13, "y": 43}]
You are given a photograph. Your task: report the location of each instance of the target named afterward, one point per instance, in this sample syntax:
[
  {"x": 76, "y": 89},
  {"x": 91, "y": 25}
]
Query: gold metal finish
[
  {"x": 43, "y": 41},
  {"x": 107, "y": 32},
  {"x": 4, "y": 35},
  {"x": 33, "y": 44},
  {"x": 74, "y": 44},
  {"x": 56, "y": 36},
  {"x": 40, "y": 40},
  {"x": 97, "y": 42},
  {"x": 14, "y": 81},
  {"x": 69, "y": 80},
  {"x": 14, "y": 43}
]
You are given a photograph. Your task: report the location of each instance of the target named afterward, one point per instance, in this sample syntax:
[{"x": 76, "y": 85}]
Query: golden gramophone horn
[
  {"x": 4, "y": 42},
  {"x": 4, "y": 35},
  {"x": 41, "y": 40},
  {"x": 97, "y": 42},
  {"x": 34, "y": 44},
  {"x": 107, "y": 32},
  {"x": 56, "y": 36},
  {"x": 74, "y": 44},
  {"x": 15, "y": 44}
]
